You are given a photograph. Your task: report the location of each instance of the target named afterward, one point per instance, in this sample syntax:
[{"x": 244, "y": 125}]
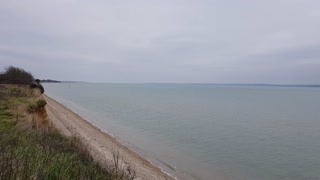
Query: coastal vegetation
[
  {"x": 31, "y": 148},
  {"x": 15, "y": 75}
]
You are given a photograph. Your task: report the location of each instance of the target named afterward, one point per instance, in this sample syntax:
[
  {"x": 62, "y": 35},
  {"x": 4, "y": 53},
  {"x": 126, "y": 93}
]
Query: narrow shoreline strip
[{"x": 100, "y": 144}]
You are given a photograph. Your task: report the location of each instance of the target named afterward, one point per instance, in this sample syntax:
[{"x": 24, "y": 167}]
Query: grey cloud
[
  {"x": 292, "y": 57},
  {"x": 163, "y": 41},
  {"x": 295, "y": 54}
]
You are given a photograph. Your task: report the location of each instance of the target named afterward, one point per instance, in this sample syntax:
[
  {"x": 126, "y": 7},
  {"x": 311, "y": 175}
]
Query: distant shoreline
[{"x": 214, "y": 84}]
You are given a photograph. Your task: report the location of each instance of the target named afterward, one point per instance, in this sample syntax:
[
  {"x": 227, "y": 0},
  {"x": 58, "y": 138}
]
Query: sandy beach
[{"x": 100, "y": 144}]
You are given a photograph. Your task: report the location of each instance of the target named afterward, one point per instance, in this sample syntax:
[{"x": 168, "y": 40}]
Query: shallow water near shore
[{"x": 208, "y": 131}]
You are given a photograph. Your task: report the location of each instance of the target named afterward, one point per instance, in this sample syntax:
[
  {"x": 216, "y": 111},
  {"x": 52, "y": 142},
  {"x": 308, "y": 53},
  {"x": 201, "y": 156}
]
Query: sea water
[{"x": 203, "y": 131}]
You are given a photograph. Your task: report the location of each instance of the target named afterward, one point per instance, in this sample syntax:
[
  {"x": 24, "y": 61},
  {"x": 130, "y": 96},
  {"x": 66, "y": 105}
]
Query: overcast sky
[{"x": 139, "y": 41}]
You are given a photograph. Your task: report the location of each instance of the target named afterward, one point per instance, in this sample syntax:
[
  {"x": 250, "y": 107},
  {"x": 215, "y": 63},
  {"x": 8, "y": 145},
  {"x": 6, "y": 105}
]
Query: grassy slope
[{"x": 31, "y": 149}]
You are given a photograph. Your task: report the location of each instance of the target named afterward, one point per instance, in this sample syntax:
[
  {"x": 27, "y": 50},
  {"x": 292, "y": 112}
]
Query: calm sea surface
[{"x": 208, "y": 131}]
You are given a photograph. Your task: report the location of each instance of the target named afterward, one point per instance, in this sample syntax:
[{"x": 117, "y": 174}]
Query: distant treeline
[{"x": 49, "y": 81}]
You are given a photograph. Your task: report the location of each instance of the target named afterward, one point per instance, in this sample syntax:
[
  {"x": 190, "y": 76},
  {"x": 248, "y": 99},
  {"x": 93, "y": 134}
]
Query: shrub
[
  {"x": 36, "y": 107},
  {"x": 41, "y": 103},
  {"x": 16, "y": 75}
]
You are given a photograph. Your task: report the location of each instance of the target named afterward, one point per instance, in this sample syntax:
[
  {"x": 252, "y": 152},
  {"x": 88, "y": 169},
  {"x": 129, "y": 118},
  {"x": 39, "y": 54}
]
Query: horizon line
[{"x": 224, "y": 84}]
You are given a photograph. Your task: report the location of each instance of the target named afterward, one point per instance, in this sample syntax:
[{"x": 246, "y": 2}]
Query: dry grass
[{"x": 30, "y": 148}]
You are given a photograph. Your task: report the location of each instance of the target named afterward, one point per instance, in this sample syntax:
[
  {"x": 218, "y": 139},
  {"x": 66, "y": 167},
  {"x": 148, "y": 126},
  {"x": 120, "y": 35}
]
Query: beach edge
[{"x": 101, "y": 145}]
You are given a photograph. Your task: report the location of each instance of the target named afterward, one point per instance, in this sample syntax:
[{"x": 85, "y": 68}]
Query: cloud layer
[{"x": 204, "y": 41}]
